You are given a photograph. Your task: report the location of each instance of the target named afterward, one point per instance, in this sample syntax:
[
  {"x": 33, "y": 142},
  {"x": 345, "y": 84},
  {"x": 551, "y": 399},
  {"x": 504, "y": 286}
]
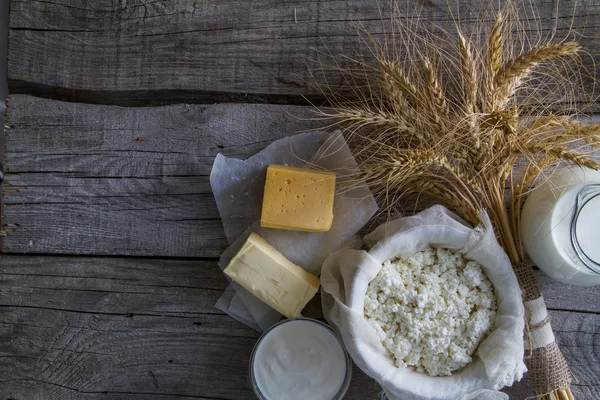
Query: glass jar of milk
[{"x": 560, "y": 226}]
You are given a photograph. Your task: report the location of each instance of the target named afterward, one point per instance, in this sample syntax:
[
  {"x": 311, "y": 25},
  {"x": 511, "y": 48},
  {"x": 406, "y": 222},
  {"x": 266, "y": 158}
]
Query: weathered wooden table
[{"x": 109, "y": 276}]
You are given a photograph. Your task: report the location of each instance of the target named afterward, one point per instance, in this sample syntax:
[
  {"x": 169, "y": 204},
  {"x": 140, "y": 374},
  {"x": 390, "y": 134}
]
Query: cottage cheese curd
[{"x": 431, "y": 310}]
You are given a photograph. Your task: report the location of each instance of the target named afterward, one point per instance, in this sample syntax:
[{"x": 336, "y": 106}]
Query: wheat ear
[
  {"x": 561, "y": 153},
  {"x": 469, "y": 79},
  {"x": 436, "y": 93},
  {"x": 400, "y": 80},
  {"x": 494, "y": 61},
  {"x": 361, "y": 117},
  {"x": 590, "y": 134},
  {"x": 417, "y": 171},
  {"x": 469, "y": 74},
  {"x": 396, "y": 99},
  {"x": 509, "y": 79}
]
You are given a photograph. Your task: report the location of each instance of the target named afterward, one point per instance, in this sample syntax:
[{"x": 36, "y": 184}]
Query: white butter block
[{"x": 271, "y": 277}]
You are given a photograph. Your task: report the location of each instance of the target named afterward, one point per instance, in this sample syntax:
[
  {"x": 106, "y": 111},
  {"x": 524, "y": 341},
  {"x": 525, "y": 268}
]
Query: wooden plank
[
  {"x": 75, "y": 328},
  {"x": 113, "y": 328},
  {"x": 128, "y": 181},
  {"x": 139, "y": 52},
  {"x": 187, "y": 285},
  {"x": 88, "y": 179}
]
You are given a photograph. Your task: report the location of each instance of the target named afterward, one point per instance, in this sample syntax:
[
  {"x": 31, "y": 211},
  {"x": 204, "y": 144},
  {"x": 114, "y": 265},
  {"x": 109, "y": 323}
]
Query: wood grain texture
[
  {"x": 108, "y": 180},
  {"x": 88, "y": 179},
  {"x": 112, "y": 328},
  {"x": 144, "y": 52}
]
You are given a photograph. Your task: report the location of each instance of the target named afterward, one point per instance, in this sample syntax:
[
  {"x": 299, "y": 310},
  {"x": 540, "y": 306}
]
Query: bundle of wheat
[{"x": 463, "y": 118}]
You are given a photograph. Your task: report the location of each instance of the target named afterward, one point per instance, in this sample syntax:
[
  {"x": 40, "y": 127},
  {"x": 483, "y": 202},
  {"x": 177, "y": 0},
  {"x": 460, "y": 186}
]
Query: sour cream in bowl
[{"x": 299, "y": 359}]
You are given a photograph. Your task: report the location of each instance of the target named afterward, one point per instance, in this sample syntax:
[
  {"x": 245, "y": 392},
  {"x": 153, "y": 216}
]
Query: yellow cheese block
[
  {"x": 298, "y": 199},
  {"x": 271, "y": 277}
]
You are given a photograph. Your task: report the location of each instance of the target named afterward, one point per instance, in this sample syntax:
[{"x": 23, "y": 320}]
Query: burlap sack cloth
[{"x": 548, "y": 369}]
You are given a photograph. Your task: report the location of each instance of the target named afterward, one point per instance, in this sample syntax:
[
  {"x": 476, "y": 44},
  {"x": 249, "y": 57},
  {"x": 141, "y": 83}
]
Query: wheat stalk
[
  {"x": 531, "y": 172},
  {"x": 590, "y": 134},
  {"x": 494, "y": 62},
  {"x": 437, "y": 101},
  {"x": 469, "y": 79},
  {"x": 400, "y": 80},
  {"x": 510, "y": 78},
  {"x": 397, "y": 95},
  {"x": 363, "y": 117},
  {"x": 469, "y": 75},
  {"x": 561, "y": 153},
  {"x": 411, "y": 134}
]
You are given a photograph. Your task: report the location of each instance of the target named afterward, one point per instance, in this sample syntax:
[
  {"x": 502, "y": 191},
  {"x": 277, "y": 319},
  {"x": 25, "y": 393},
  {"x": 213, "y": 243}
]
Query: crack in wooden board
[{"x": 174, "y": 51}]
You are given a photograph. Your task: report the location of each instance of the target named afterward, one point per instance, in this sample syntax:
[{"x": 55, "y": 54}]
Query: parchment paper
[{"x": 238, "y": 187}]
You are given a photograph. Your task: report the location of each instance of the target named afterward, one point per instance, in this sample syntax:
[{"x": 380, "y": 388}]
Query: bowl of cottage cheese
[{"x": 431, "y": 310}]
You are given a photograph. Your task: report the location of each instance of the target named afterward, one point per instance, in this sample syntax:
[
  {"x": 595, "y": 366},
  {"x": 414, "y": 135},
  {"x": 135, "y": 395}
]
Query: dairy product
[
  {"x": 560, "y": 224},
  {"x": 271, "y": 277},
  {"x": 298, "y": 199},
  {"x": 430, "y": 310},
  {"x": 298, "y": 360}
]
